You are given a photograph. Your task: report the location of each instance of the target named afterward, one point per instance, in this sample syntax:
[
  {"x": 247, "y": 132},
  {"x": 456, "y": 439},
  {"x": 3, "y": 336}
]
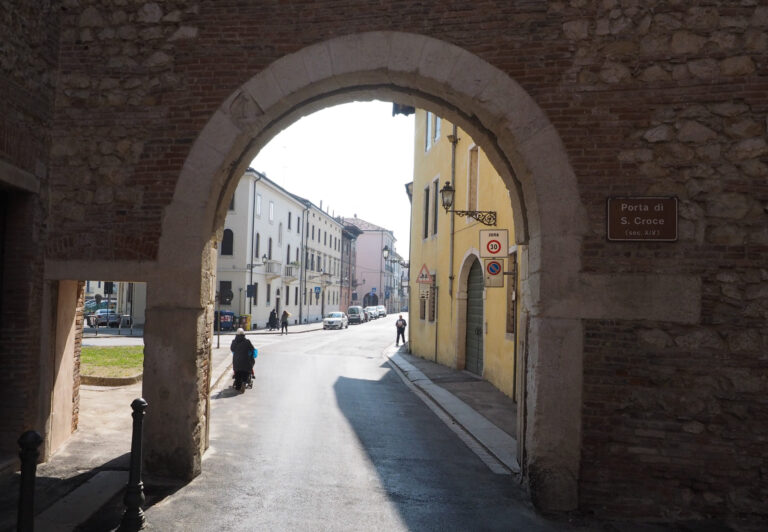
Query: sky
[{"x": 356, "y": 158}]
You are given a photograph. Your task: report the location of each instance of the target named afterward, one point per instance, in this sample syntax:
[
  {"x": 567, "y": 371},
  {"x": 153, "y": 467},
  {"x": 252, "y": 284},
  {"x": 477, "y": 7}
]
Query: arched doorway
[
  {"x": 502, "y": 118},
  {"x": 474, "y": 322}
]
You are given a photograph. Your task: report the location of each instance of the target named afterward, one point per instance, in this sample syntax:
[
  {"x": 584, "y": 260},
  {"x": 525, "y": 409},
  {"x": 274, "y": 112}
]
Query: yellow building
[{"x": 456, "y": 319}]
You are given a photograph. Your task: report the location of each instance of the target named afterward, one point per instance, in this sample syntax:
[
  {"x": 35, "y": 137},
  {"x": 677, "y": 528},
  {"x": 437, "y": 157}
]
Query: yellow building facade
[{"x": 455, "y": 319}]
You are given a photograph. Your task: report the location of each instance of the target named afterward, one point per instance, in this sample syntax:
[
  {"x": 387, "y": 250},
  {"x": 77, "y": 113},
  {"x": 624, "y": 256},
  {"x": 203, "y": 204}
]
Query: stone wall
[
  {"x": 27, "y": 73},
  {"x": 649, "y": 97}
]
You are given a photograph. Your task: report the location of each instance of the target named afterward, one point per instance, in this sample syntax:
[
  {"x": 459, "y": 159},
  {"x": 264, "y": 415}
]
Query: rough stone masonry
[{"x": 103, "y": 100}]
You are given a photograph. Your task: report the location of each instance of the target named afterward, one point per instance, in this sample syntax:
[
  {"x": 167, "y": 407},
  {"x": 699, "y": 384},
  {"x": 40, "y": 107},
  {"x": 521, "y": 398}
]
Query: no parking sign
[{"x": 493, "y": 272}]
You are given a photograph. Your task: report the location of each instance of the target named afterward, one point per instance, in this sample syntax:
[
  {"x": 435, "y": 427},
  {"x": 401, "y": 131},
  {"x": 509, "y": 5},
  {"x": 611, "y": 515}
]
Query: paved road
[{"x": 330, "y": 438}]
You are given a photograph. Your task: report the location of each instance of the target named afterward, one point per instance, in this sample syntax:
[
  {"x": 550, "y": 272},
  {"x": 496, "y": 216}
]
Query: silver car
[{"x": 335, "y": 320}]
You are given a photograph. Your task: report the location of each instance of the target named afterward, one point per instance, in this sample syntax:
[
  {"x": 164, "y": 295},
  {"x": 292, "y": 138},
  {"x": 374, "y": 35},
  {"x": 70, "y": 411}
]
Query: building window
[
  {"x": 472, "y": 181},
  {"x": 312, "y": 259},
  {"x": 288, "y": 255},
  {"x": 289, "y": 221},
  {"x": 225, "y": 289},
  {"x": 258, "y": 204},
  {"x": 258, "y": 246},
  {"x": 256, "y": 294},
  {"x": 432, "y": 302},
  {"x": 325, "y": 238},
  {"x": 298, "y": 224},
  {"x": 296, "y": 294},
  {"x": 269, "y": 248},
  {"x": 227, "y": 242},
  {"x": 271, "y": 211},
  {"x": 428, "y": 132},
  {"x": 280, "y": 234},
  {"x": 434, "y": 206},
  {"x": 313, "y": 232},
  {"x": 426, "y": 212},
  {"x": 512, "y": 294},
  {"x": 297, "y": 255},
  {"x": 269, "y": 293},
  {"x": 438, "y": 121},
  {"x": 287, "y": 296}
]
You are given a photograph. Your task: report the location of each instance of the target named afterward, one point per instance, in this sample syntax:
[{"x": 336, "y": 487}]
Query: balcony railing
[
  {"x": 291, "y": 272},
  {"x": 272, "y": 269}
]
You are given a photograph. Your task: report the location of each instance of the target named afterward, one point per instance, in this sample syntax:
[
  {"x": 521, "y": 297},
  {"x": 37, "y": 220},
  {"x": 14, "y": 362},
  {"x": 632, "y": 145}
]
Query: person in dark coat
[
  {"x": 273, "y": 319},
  {"x": 400, "y": 324},
  {"x": 242, "y": 358}
]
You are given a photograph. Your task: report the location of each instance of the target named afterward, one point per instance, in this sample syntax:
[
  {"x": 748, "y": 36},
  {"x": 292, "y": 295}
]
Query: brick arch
[{"x": 484, "y": 101}]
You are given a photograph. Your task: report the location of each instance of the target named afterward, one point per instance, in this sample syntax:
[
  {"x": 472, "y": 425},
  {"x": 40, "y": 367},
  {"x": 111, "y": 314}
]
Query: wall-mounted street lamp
[
  {"x": 446, "y": 196},
  {"x": 385, "y": 253}
]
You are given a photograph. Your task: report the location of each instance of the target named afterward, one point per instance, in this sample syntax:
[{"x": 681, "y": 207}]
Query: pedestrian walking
[
  {"x": 284, "y": 322},
  {"x": 272, "y": 320},
  {"x": 400, "y": 324}
]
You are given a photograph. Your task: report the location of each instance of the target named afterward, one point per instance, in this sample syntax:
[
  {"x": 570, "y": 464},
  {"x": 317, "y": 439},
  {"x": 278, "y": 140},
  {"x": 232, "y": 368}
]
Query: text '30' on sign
[{"x": 494, "y": 243}]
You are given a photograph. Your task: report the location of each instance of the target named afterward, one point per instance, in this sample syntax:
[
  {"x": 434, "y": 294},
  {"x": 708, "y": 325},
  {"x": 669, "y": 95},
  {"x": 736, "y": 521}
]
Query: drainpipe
[
  {"x": 303, "y": 264},
  {"x": 454, "y": 139},
  {"x": 253, "y": 238}
]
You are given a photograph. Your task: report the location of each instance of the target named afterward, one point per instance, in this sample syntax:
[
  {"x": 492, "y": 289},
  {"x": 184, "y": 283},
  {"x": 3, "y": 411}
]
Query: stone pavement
[{"x": 91, "y": 468}]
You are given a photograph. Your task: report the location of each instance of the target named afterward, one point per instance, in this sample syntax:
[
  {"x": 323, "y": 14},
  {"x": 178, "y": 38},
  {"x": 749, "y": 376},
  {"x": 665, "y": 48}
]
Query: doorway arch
[
  {"x": 474, "y": 318},
  {"x": 414, "y": 70}
]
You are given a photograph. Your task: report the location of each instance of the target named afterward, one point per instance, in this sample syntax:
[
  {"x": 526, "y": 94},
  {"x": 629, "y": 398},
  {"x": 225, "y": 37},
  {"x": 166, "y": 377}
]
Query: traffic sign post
[
  {"x": 494, "y": 243},
  {"x": 493, "y": 272}
]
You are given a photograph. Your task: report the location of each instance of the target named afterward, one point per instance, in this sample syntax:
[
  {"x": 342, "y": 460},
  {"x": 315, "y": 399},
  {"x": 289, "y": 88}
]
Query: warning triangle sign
[{"x": 424, "y": 276}]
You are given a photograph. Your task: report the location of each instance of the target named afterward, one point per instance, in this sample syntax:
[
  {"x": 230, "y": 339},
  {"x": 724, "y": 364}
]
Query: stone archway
[{"x": 415, "y": 70}]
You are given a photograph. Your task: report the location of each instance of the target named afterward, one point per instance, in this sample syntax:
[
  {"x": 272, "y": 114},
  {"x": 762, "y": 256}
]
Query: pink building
[{"x": 378, "y": 280}]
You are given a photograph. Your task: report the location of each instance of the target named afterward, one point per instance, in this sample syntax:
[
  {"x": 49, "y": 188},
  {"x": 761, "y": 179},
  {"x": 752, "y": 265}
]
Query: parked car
[
  {"x": 382, "y": 311},
  {"x": 373, "y": 312},
  {"x": 335, "y": 320},
  {"x": 356, "y": 314},
  {"x": 106, "y": 317}
]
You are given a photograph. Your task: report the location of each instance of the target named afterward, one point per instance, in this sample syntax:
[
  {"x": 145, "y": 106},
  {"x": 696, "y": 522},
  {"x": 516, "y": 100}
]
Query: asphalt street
[{"x": 330, "y": 438}]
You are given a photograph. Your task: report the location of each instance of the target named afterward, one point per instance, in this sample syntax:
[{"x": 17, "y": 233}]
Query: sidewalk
[
  {"x": 137, "y": 332},
  {"x": 73, "y": 486},
  {"x": 483, "y": 412}
]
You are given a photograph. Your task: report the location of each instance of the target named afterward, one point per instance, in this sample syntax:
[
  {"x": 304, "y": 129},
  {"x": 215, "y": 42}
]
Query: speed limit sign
[{"x": 494, "y": 243}]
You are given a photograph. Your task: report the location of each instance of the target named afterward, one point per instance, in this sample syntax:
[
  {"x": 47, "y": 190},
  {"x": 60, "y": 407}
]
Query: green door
[{"x": 474, "y": 340}]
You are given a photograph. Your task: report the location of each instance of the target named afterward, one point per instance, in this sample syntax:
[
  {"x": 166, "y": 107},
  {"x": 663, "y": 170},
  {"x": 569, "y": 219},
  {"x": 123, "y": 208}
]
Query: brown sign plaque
[{"x": 642, "y": 219}]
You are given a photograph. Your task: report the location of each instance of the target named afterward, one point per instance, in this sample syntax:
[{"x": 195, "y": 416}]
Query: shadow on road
[{"x": 434, "y": 480}]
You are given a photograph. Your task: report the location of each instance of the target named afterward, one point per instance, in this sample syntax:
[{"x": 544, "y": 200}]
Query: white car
[
  {"x": 335, "y": 320},
  {"x": 382, "y": 311}
]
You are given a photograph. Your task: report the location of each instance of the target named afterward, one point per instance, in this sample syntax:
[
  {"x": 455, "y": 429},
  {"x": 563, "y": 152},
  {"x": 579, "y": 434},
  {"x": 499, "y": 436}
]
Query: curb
[
  {"x": 110, "y": 381},
  {"x": 494, "y": 440}
]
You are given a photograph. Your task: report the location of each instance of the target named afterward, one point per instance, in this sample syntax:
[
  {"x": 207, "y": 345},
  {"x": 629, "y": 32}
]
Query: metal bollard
[
  {"x": 29, "y": 442},
  {"x": 133, "y": 518}
]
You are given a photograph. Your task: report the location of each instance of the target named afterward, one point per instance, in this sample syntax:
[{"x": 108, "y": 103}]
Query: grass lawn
[{"x": 122, "y": 361}]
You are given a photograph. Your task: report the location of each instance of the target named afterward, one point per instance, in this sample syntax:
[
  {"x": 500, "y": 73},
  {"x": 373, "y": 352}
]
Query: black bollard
[
  {"x": 29, "y": 442},
  {"x": 133, "y": 518}
]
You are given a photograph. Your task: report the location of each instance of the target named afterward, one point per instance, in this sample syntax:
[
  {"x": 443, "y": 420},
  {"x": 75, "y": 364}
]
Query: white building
[
  {"x": 322, "y": 263},
  {"x": 283, "y": 247}
]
